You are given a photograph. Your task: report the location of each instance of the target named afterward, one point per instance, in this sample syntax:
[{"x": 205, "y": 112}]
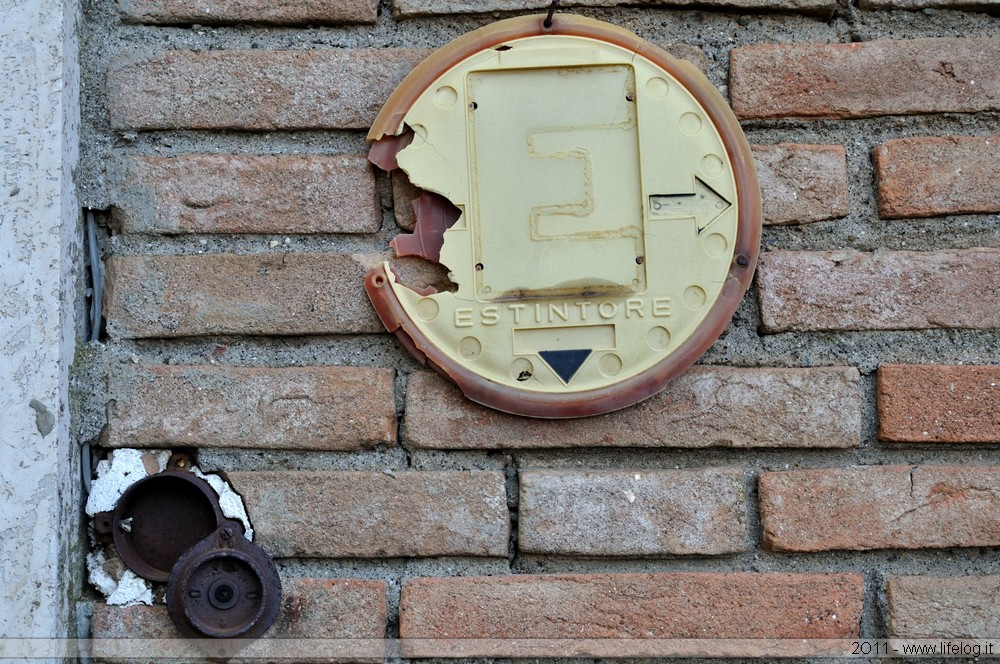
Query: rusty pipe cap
[
  {"x": 225, "y": 587},
  {"x": 160, "y": 517}
]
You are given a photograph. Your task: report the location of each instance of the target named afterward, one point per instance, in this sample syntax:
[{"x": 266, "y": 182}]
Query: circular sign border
[{"x": 389, "y": 122}]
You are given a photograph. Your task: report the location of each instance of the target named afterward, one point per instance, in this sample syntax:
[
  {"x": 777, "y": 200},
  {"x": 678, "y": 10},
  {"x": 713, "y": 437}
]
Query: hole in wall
[{"x": 95, "y": 234}]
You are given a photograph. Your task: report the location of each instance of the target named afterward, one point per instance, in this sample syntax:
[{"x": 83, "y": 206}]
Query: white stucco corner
[{"x": 39, "y": 259}]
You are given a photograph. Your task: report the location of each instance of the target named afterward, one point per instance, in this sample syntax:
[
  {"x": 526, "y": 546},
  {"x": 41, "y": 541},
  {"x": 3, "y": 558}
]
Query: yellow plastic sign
[{"x": 594, "y": 201}]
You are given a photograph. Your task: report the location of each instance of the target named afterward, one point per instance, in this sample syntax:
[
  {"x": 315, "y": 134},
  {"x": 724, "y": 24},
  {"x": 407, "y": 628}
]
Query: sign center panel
[{"x": 556, "y": 201}]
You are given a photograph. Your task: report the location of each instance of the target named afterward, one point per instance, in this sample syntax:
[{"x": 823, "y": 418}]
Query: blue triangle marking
[{"x": 565, "y": 362}]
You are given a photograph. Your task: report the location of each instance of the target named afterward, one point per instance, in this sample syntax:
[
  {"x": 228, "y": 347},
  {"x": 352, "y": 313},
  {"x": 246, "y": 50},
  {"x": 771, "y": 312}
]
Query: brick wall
[{"x": 830, "y": 470}]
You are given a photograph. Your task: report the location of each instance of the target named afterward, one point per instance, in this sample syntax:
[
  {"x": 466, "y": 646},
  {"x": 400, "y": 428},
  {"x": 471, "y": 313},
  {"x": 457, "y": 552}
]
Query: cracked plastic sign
[{"x": 594, "y": 202}]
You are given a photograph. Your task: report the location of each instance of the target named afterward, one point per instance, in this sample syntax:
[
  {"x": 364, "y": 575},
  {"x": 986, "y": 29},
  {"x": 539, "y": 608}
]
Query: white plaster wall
[{"x": 39, "y": 256}]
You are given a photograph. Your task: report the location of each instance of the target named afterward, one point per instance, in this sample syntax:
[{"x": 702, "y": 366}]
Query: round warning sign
[{"x": 593, "y": 200}]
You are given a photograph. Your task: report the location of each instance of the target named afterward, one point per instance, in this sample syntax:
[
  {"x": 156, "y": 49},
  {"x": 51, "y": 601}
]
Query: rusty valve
[{"x": 224, "y": 587}]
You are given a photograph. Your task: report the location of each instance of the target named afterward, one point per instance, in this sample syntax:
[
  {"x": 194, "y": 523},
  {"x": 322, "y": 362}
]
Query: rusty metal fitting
[
  {"x": 225, "y": 587},
  {"x": 159, "y": 518},
  {"x": 221, "y": 588}
]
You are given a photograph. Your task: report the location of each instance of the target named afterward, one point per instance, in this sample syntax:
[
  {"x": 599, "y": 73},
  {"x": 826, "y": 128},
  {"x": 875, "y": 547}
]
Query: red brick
[
  {"x": 881, "y": 507},
  {"x": 927, "y": 177},
  {"x": 705, "y": 407},
  {"x": 171, "y": 296},
  {"x": 256, "y": 90},
  {"x": 803, "y": 291},
  {"x": 360, "y": 514},
  {"x": 865, "y": 79},
  {"x": 212, "y": 12},
  {"x": 939, "y": 404},
  {"x": 312, "y": 408},
  {"x": 406, "y": 8},
  {"x": 280, "y": 293},
  {"x": 349, "y": 615},
  {"x": 242, "y": 194},
  {"x": 802, "y": 183},
  {"x": 438, "y": 616},
  {"x": 960, "y": 607},
  {"x": 632, "y": 513}
]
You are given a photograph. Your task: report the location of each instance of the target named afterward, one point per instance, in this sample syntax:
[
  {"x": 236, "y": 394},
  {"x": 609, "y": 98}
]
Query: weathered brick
[
  {"x": 403, "y": 195},
  {"x": 171, "y": 296},
  {"x": 358, "y": 514},
  {"x": 280, "y": 293},
  {"x": 256, "y": 90},
  {"x": 407, "y": 8},
  {"x": 865, "y": 79},
  {"x": 313, "y": 408},
  {"x": 243, "y": 194},
  {"x": 350, "y": 616},
  {"x": 939, "y": 404},
  {"x": 926, "y": 177},
  {"x": 880, "y": 507},
  {"x": 924, "y": 607},
  {"x": 624, "y": 513},
  {"x": 804, "y": 291},
  {"x": 704, "y": 407},
  {"x": 439, "y": 615},
  {"x": 214, "y": 12},
  {"x": 802, "y": 183}
]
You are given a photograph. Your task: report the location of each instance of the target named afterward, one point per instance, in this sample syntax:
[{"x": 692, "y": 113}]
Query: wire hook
[{"x": 547, "y": 23}]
